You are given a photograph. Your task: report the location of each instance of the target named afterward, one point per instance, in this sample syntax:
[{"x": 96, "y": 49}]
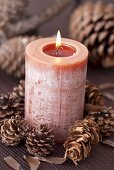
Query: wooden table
[{"x": 102, "y": 156}]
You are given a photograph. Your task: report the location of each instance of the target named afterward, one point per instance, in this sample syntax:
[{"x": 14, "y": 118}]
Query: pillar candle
[{"x": 54, "y": 84}]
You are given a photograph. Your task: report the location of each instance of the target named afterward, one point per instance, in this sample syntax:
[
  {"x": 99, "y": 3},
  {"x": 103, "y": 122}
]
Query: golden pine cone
[
  {"x": 15, "y": 48},
  {"x": 93, "y": 25},
  {"x": 13, "y": 130},
  {"x": 40, "y": 141},
  {"x": 82, "y": 135}
]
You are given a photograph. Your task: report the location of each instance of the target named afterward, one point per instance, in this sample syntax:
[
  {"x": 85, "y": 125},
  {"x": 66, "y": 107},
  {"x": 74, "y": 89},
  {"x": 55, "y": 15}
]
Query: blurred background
[{"x": 59, "y": 22}]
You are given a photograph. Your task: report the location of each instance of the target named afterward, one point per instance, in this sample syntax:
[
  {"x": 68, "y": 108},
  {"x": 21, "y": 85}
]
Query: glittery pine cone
[
  {"x": 82, "y": 136},
  {"x": 93, "y": 25},
  {"x": 40, "y": 141}
]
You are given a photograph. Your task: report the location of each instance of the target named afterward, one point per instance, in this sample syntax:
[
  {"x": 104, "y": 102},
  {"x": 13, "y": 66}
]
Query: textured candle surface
[{"x": 54, "y": 91}]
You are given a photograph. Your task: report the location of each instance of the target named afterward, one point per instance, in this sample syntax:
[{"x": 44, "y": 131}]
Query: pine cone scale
[{"x": 94, "y": 28}]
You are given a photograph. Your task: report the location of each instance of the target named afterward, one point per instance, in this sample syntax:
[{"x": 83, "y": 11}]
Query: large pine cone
[
  {"x": 40, "y": 141},
  {"x": 12, "y": 55},
  {"x": 13, "y": 130},
  {"x": 93, "y": 25},
  {"x": 11, "y": 10},
  {"x": 105, "y": 120},
  {"x": 82, "y": 135}
]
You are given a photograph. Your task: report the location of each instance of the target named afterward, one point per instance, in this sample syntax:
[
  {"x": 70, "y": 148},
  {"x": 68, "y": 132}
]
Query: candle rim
[{"x": 35, "y": 52}]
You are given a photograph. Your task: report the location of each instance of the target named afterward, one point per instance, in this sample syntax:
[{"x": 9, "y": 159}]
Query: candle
[
  {"x": 54, "y": 84},
  {"x": 59, "y": 49}
]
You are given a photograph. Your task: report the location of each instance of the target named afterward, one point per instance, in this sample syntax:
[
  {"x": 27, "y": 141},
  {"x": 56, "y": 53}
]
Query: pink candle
[{"x": 55, "y": 80}]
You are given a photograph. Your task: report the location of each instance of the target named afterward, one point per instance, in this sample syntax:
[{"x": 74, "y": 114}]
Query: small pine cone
[
  {"x": 11, "y": 10},
  {"x": 15, "y": 48},
  {"x": 93, "y": 95},
  {"x": 19, "y": 90},
  {"x": 93, "y": 25},
  {"x": 12, "y": 131},
  {"x": 11, "y": 105},
  {"x": 82, "y": 135},
  {"x": 105, "y": 120},
  {"x": 40, "y": 141}
]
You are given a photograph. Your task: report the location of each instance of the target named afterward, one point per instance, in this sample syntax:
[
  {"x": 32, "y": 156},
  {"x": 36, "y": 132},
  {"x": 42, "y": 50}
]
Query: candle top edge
[{"x": 34, "y": 51}]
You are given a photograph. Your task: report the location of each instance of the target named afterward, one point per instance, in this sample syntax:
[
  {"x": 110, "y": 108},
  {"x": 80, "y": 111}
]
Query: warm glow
[{"x": 58, "y": 39}]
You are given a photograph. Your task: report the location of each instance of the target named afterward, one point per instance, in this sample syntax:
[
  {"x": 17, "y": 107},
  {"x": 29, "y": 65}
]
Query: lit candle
[{"x": 54, "y": 85}]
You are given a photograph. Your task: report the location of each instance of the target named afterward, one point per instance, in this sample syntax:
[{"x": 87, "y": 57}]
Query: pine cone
[
  {"x": 11, "y": 105},
  {"x": 105, "y": 120},
  {"x": 13, "y": 130},
  {"x": 40, "y": 141},
  {"x": 19, "y": 90},
  {"x": 11, "y": 10},
  {"x": 93, "y": 25},
  {"x": 93, "y": 95},
  {"x": 82, "y": 135},
  {"x": 15, "y": 48}
]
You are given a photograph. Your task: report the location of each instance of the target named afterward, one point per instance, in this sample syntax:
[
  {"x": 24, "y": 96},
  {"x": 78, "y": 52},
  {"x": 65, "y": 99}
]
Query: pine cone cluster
[
  {"x": 93, "y": 25},
  {"x": 82, "y": 135},
  {"x": 15, "y": 48},
  {"x": 93, "y": 95},
  {"x": 13, "y": 130},
  {"x": 40, "y": 141},
  {"x": 105, "y": 121}
]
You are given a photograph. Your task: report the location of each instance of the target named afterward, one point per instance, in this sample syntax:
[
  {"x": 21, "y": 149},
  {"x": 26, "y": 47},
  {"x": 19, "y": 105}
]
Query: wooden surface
[{"x": 102, "y": 156}]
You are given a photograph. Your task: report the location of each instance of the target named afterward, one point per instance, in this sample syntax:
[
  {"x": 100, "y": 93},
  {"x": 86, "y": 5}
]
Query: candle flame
[{"x": 58, "y": 39}]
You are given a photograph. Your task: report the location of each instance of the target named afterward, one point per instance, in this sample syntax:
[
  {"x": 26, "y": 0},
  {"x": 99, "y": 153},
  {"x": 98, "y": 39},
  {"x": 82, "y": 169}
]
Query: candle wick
[{"x": 57, "y": 52}]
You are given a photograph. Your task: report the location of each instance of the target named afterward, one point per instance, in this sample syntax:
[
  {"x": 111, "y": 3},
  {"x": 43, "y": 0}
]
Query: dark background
[{"x": 60, "y": 22}]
